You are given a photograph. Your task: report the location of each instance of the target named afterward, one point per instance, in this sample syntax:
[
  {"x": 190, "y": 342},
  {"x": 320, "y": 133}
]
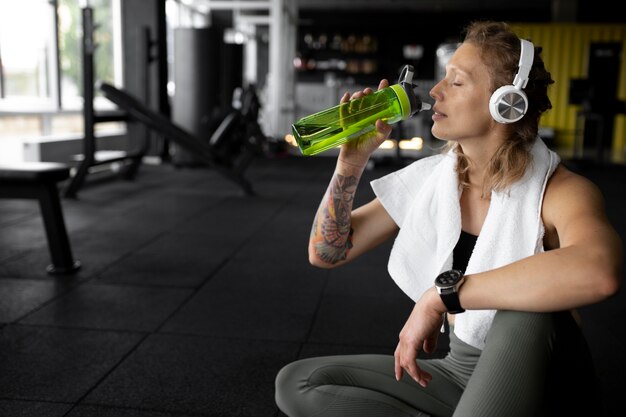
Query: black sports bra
[{"x": 463, "y": 251}]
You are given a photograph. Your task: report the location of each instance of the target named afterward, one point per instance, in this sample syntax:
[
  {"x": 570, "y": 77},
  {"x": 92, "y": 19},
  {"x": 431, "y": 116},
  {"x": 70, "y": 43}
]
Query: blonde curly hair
[{"x": 500, "y": 46}]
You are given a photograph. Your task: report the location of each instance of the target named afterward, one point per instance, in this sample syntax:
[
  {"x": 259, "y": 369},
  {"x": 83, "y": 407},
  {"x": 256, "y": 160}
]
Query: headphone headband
[{"x": 526, "y": 56}]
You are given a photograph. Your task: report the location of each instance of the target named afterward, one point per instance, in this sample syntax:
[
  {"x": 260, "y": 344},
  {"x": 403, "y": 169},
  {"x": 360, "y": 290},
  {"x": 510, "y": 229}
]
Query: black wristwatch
[{"x": 448, "y": 284}]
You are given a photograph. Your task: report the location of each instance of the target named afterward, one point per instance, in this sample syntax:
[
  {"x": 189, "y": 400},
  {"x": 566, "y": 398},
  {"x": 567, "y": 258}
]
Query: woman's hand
[
  {"x": 357, "y": 151},
  {"x": 420, "y": 332}
]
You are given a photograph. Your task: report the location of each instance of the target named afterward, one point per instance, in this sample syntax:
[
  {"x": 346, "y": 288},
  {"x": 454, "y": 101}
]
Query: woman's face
[{"x": 461, "y": 109}]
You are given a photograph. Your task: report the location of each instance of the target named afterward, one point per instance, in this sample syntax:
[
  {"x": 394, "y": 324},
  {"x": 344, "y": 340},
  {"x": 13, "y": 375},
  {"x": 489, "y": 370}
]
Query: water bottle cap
[
  {"x": 406, "y": 76},
  {"x": 406, "y": 81}
]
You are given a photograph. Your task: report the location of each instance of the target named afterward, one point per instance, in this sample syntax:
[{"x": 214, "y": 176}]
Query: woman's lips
[{"x": 437, "y": 115}]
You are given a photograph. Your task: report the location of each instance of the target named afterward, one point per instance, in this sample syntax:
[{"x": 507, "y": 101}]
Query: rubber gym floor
[{"x": 192, "y": 296}]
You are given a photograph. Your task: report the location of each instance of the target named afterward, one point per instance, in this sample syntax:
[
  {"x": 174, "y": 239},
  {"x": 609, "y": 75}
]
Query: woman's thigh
[
  {"x": 533, "y": 364},
  {"x": 509, "y": 378}
]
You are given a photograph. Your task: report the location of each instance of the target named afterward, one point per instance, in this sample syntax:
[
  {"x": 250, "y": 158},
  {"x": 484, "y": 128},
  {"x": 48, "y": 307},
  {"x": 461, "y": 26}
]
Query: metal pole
[
  {"x": 57, "y": 59},
  {"x": 281, "y": 85},
  {"x": 2, "y": 93},
  {"x": 89, "y": 145}
]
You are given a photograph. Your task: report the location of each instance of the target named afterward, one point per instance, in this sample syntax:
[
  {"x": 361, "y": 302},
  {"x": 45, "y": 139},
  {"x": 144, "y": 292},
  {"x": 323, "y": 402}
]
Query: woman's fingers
[
  {"x": 405, "y": 360},
  {"x": 359, "y": 94},
  {"x": 397, "y": 367},
  {"x": 355, "y": 106},
  {"x": 356, "y": 95},
  {"x": 383, "y": 127},
  {"x": 411, "y": 368},
  {"x": 425, "y": 379}
]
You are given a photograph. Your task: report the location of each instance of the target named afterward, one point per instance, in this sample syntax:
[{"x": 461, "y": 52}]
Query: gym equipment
[
  {"x": 91, "y": 156},
  {"x": 38, "y": 180},
  {"x": 239, "y": 137},
  {"x": 509, "y": 103},
  {"x": 209, "y": 154}
]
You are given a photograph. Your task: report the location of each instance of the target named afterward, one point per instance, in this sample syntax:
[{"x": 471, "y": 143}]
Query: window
[
  {"x": 41, "y": 65},
  {"x": 27, "y": 52}
]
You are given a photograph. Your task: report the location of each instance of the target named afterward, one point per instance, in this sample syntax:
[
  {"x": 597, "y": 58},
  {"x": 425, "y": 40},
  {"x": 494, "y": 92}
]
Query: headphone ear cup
[{"x": 508, "y": 104}]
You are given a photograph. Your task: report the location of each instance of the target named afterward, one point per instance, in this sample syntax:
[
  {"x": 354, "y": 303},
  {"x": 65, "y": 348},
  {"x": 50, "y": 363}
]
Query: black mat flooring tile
[
  {"x": 33, "y": 264},
  {"x": 25, "y": 235},
  {"x": 106, "y": 411},
  {"x": 173, "y": 260},
  {"x": 208, "y": 376},
  {"x": 96, "y": 251},
  {"x": 248, "y": 314},
  {"x": 361, "y": 321},
  {"x": 16, "y": 408},
  {"x": 276, "y": 248},
  {"x": 53, "y": 364},
  {"x": 15, "y": 210},
  {"x": 111, "y": 307},
  {"x": 269, "y": 276},
  {"x": 21, "y": 296},
  {"x": 166, "y": 270}
]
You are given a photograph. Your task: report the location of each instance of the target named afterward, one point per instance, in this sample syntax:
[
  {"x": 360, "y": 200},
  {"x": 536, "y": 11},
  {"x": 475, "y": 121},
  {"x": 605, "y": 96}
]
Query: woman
[{"x": 513, "y": 239}]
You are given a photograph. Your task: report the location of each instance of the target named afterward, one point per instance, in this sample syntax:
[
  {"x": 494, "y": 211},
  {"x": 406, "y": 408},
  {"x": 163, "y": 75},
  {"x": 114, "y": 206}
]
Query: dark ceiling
[{"x": 428, "y": 5}]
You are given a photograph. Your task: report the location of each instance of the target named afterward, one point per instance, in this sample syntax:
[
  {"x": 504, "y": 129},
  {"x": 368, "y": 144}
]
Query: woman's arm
[
  {"x": 338, "y": 234},
  {"x": 586, "y": 268}
]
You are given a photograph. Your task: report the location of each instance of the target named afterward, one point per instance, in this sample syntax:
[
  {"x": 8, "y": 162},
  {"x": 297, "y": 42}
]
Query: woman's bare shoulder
[
  {"x": 565, "y": 181},
  {"x": 570, "y": 193}
]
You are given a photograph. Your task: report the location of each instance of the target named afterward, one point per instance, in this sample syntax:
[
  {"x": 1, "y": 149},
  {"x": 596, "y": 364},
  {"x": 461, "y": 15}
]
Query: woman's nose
[{"x": 434, "y": 92}]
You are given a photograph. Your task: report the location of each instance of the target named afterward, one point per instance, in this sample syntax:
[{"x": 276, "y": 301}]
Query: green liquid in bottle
[{"x": 337, "y": 125}]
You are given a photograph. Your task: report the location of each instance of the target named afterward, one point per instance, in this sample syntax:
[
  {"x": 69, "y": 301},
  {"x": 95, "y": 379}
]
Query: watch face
[{"x": 448, "y": 278}]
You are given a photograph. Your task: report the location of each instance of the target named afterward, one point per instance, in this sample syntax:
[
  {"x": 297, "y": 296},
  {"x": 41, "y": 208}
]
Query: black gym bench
[{"x": 38, "y": 180}]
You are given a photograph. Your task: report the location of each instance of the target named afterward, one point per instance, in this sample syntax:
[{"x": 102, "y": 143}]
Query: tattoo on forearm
[{"x": 333, "y": 221}]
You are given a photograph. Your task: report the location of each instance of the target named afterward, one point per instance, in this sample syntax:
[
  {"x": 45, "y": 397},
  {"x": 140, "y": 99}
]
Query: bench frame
[{"x": 33, "y": 180}]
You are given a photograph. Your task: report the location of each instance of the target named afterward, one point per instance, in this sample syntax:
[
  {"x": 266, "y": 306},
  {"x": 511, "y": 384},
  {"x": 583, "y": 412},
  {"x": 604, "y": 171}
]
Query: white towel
[{"x": 423, "y": 199}]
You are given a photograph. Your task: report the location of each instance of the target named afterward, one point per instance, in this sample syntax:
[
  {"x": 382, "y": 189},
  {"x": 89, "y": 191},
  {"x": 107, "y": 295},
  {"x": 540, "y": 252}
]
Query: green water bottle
[{"x": 337, "y": 125}]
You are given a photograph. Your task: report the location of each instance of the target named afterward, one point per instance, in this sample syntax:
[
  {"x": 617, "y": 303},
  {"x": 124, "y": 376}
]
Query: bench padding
[{"x": 34, "y": 172}]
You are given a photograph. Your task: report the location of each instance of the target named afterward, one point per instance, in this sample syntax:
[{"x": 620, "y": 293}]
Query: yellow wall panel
[{"x": 565, "y": 52}]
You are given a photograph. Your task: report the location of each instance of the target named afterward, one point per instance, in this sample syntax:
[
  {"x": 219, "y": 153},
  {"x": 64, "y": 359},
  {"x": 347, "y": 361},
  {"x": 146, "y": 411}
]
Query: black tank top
[{"x": 463, "y": 251}]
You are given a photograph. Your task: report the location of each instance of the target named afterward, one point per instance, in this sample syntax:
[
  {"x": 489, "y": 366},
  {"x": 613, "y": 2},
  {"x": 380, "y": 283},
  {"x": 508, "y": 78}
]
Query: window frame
[{"x": 54, "y": 105}]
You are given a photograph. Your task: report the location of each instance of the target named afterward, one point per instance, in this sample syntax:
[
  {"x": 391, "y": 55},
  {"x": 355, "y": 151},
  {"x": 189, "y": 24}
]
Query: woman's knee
[
  {"x": 295, "y": 382},
  {"x": 287, "y": 383},
  {"x": 515, "y": 327}
]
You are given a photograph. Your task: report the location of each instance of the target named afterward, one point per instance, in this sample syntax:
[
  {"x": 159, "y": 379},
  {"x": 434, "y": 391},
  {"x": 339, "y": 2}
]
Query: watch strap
[{"x": 451, "y": 301}]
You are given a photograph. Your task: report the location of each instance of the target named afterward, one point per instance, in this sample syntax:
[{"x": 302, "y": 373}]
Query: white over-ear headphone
[{"x": 509, "y": 103}]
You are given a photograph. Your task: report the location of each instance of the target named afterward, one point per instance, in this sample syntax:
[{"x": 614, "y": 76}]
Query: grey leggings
[{"x": 531, "y": 362}]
